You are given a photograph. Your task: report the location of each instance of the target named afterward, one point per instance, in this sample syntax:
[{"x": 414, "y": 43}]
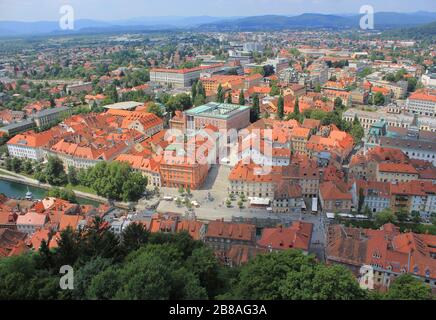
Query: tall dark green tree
[
  {"x": 241, "y": 98},
  {"x": 54, "y": 172},
  {"x": 255, "y": 109},
  {"x": 194, "y": 91},
  {"x": 16, "y": 164},
  {"x": 134, "y": 236},
  {"x": 357, "y": 130},
  {"x": 280, "y": 107},
  {"x": 297, "y": 107},
  {"x": 220, "y": 94},
  {"x": 378, "y": 99},
  {"x": 44, "y": 258},
  {"x": 72, "y": 175},
  {"x": 111, "y": 92},
  {"x": 361, "y": 200},
  {"x": 52, "y": 102},
  {"x": 338, "y": 103},
  {"x": 68, "y": 250},
  {"x": 200, "y": 89},
  {"x": 199, "y": 100},
  {"x": 99, "y": 240}
]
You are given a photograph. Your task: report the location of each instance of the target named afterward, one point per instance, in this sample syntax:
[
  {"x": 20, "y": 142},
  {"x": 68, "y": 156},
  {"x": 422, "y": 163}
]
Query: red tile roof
[
  {"x": 397, "y": 167},
  {"x": 334, "y": 191},
  {"x": 234, "y": 231},
  {"x": 297, "y": 236},
  {"x": 192, "y": 227},
  {"x": 12, "y": 242},
  {"x": 386, "y": 248}
]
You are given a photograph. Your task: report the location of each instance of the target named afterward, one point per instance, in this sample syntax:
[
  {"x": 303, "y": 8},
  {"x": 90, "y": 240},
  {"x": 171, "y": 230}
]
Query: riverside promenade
[{"x": 12, "y": 176}]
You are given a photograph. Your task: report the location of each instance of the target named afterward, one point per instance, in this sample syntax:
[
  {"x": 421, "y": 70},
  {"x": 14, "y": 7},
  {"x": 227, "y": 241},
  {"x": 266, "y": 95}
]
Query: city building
[
  {"x": 368, "y": 118},
  {"x": 47, "y": 117},
  {"x": 29, "y": 145},
  {"x": 221, "y": 115},
  {"x": 396, "y": 172},
  {"x": 376, "y": 195},
  {"x": 222, "y": 235},
  {"x": 17, "y": 127},
  {"x": 414, "y": 196},
  {"x": 389, "y": 252},
  {"x": 182, "y": 171},
  {"x": 180, "y": 78},
  {"x": 83, "y": 155},
  {"x": 288, "y": 198},
  {"x": 297, "y": 236},
  {"x": 422, "y": 103},
  {"x": 335, "y": 197},
  {"x": 146, "y": 123},
  {"x": 79, "y": 88},
  {"x": 31, "y": 222}
]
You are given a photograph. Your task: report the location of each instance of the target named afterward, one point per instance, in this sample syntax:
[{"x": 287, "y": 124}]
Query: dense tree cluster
[
  {"x": 137, "y": 265},
  {"x": 181, "y": 101},
  {"x": 114, "y": 180},
  {"x": 64, "y": 193},
  {"x": 295, "y": 276},
  {"x": 140, "y": 265}
]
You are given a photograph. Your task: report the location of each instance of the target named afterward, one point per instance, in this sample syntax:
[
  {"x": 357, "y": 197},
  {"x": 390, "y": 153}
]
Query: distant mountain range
[
  {"x": 19, "y": 28},
  {"x": 383, "y": 20}
]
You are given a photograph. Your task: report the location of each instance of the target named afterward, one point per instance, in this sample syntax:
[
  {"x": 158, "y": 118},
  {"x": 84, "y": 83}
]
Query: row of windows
[{"x": 423, "y": 155}]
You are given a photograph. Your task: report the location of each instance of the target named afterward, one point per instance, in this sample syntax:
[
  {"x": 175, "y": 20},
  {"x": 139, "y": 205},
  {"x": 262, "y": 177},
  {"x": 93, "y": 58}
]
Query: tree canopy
[
  {"x": 407, "y": 287},
  {"x": 292, "y": 275},
  {"x": 115, "y": 180}
]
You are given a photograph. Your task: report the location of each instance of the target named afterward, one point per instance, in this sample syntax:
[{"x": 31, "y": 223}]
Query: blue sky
[{"x": 34, "y": 10}]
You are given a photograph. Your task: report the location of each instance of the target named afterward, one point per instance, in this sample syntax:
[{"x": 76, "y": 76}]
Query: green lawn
[
  {"x": 10, "y": 173},
  {"x": 26, "y": 175},
  {"x": 81, "y": 188},
  {"x": 6, "y": 173}
]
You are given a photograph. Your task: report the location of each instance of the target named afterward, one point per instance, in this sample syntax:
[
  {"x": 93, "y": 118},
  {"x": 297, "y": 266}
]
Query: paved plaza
[{"x": 215, "y": 208}]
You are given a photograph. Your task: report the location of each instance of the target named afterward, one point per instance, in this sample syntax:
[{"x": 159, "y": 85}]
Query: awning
[{"x": 259, "y": 201}]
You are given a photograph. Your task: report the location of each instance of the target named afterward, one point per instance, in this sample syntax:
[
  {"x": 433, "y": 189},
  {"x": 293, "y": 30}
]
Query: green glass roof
[{"x": 216, "y": 110}]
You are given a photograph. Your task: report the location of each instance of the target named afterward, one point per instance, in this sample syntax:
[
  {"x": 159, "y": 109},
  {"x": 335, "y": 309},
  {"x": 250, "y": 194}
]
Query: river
[{"x": 18, "y": 190}]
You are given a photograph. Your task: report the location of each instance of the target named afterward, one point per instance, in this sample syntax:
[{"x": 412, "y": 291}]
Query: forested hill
[{"x": 424, "y": 32}]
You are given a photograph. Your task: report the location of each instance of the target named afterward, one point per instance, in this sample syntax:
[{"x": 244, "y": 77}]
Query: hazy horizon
[{"x": 111, "y": 10}]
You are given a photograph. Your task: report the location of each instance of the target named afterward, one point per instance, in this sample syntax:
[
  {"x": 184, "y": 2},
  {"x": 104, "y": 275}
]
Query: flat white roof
[{"x": 125, "y": 105}]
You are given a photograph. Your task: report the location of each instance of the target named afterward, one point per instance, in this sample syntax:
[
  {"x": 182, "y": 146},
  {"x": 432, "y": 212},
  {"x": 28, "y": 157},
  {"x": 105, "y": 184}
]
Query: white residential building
[{"x": 422, "y": 104}]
